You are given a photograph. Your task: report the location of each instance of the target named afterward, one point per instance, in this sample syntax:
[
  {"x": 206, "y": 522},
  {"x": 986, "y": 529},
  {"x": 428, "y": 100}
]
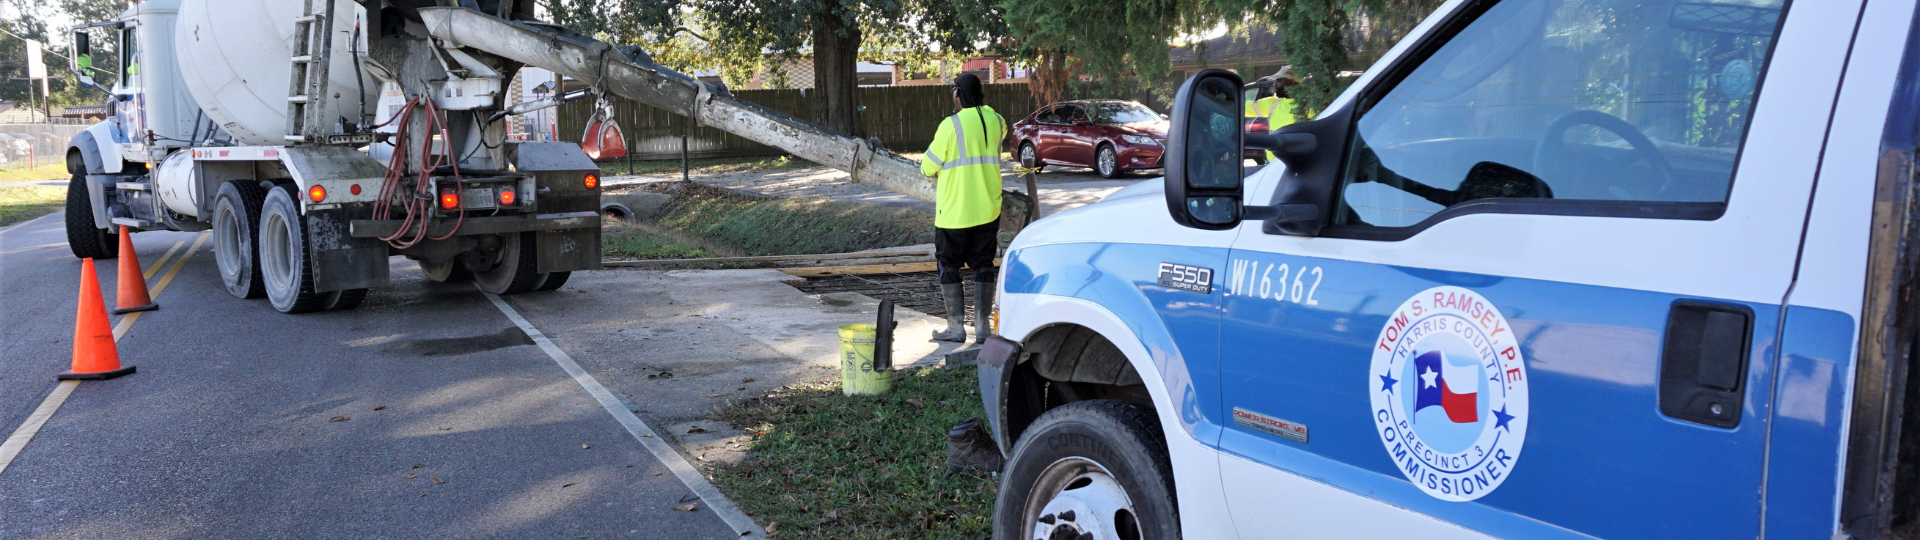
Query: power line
[{"x": 42, "y": 49}]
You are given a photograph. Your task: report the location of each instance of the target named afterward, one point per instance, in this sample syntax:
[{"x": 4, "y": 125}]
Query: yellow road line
[
  {"x": 163, "y": 260},
  {"x": 18, "y": 441},
  {"x": 128, "y": 320}
]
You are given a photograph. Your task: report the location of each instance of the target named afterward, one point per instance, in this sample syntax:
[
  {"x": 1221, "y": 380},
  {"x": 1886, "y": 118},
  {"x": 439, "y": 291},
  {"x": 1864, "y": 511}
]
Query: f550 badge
[{"x": 1186, "y": 278}]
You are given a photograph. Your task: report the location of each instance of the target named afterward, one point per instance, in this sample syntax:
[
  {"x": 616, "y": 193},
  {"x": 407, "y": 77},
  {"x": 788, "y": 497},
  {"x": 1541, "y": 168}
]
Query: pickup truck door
[{"x": 1546, "y": 304}]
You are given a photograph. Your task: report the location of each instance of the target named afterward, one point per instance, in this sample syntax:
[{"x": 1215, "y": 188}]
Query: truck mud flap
[
  {"x": 340, "y": 261},
  {"x": 566, "y": 250}
]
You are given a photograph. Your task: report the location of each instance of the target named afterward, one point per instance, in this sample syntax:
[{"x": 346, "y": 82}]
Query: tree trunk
[{"x": 836, "y": 52}]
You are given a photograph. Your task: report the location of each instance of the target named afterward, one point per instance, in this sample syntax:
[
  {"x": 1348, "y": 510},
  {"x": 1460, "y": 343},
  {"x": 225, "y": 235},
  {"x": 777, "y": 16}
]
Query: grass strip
[
  {"x": 21, "y": 203},
  {"x": 622, "y": 240},
  {"x": 771, "y": 226},
  {"x": 825, "y": 465},
  {"x": 57, "y": 171}
]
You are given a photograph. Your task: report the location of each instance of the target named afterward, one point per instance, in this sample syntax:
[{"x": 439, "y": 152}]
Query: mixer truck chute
[{"x": 318, "y": 138}]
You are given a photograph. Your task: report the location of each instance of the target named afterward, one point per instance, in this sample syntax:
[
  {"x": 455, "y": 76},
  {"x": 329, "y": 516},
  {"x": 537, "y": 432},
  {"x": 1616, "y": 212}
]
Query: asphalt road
[{"x": 425, "y": 413}]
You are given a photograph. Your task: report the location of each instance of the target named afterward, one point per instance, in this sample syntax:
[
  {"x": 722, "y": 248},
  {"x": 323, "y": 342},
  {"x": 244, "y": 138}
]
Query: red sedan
[{"x": 1108, "y": 136}]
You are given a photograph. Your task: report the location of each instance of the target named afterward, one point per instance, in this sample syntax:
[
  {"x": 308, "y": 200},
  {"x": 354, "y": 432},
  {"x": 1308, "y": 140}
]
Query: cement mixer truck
[{"x": 319, "y": 138}]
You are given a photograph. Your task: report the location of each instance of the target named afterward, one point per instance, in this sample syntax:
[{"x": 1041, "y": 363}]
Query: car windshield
[
  {"x": 1609, "y": 100},
  {"x": 1122, "y": 112}
]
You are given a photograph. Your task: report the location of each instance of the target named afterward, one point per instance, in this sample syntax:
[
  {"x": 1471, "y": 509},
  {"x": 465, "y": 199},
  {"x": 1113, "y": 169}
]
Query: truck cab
[{"x": 1548, "y": 269}]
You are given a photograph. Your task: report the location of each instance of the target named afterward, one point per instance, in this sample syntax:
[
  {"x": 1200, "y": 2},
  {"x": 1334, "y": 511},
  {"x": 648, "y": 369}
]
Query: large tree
[
  {"x": 749, "y": 38},
  {"x": 31, "y": 19},
  {"x": 1130, "y": 38}
]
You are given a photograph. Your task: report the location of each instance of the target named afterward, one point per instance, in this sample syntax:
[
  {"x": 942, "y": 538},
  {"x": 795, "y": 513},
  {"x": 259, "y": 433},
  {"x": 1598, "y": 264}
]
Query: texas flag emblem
[{"x": 1435, "y": 390}]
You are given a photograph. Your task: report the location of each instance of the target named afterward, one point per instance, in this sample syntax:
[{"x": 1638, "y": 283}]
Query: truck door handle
[{"x": 1703, "y": 363}]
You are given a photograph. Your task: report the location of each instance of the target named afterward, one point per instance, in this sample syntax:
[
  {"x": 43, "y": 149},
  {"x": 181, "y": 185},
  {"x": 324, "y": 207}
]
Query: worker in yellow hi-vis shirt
[{"x": 965, "y": 157}]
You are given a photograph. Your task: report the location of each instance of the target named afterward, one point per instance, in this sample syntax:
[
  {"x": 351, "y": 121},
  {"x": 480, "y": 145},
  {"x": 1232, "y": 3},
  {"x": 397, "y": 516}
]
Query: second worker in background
[{"x": 965, "y": 157}]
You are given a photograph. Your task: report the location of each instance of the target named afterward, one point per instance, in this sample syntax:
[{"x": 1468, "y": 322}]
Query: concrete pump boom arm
[{"x": 600, "y": 64}]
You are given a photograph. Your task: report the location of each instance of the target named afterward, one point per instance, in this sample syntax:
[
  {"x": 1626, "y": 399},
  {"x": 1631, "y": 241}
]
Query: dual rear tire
[{"x": 260, "y": 244}]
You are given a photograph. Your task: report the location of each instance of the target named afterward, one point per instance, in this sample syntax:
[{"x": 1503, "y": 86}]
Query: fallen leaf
[
  {"x": 339, "y": 418},
  {"x": 689, "y": 507},
  {"x": 656, "y": 473},
  {"x": 773, "y": 528},
  {"x": 423, "y": 494},
  {"x": 914, "y": 401},
  {"x": 568, "y": 484},
  {"x": 746, "y": 380},
  {"x": 584, "y": 446},
  {"x": 412, "y": 476},
  {"x": 380, "y": 407},
  {"x": 833, "y": 514},
  {"x": 696, "y": 429},
  {"x": 647, "y": 435},
  {"x": 417, "y": 465},
  {"x": 439, "y": 481}
]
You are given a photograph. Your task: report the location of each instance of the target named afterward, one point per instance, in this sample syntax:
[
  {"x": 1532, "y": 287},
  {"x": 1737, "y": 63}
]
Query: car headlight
[{"x": 1140, "y": 139}]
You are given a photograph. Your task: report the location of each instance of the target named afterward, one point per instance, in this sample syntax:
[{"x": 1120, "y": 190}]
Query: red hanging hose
[{"x": 418, "y": 204}]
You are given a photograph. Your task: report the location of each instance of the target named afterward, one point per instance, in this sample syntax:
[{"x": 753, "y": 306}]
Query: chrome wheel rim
[
  {"x": 275, "y": 247},
  {"x": 1077, "y": 499},
  {"x": 1107, "y": 160}
]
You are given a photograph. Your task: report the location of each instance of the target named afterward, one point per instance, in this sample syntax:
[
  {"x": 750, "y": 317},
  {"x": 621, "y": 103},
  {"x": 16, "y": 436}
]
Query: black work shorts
[{"x": 973, "y": 247}]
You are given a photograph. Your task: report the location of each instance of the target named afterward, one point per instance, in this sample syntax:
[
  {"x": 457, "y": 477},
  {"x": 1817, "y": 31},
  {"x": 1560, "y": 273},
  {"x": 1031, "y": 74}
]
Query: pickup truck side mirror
[
  {"x": 1205, "y": 181},
  {"x": 82, "y": 58}
]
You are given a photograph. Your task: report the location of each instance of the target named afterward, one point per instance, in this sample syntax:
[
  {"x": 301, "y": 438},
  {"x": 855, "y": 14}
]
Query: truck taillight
[
  {"x": 506, "y": 196},
  {"x": 593, "y": 181},
  {"x": 317, "y": 193},
  {"x": 449, "y": 200}
]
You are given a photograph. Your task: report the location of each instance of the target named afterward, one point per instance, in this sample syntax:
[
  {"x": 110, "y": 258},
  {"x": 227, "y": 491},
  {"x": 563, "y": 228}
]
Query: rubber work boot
[
  {"x": 956, "y": 314},
  {"x": 970, "y": 447},
  {"x": 982, "y": 311}
]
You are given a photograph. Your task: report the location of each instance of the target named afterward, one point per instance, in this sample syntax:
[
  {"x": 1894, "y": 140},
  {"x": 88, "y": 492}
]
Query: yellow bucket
[{"x": 857, "y": 375}]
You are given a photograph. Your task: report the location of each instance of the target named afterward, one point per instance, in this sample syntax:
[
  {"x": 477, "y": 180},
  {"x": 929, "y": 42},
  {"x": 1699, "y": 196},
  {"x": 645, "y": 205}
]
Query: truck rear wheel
[
  {"x": 1095, "y": 469},
  {"x": 452, "y": 271},
  {"x": 283, "y": 254},
  {"x": 236, "y": 237},
  {"x": 345, "y": 300},
  {"x": 554, "y": 281},
  {"x": 516, "y": 273},
  {"x": 86, "y": 240}
]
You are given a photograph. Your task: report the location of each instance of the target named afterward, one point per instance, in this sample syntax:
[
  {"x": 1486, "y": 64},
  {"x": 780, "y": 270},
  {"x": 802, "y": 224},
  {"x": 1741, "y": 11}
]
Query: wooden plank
[{"x": 865, "y": 269}]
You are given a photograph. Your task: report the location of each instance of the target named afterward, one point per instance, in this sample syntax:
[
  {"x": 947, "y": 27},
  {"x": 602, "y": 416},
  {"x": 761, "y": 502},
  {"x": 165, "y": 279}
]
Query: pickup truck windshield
[{"x": 1609, "y": 100}]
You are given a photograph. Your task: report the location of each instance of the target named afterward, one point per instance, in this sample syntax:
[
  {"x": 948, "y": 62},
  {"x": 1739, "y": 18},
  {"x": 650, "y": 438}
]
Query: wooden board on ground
[{"x": 865, "y": 269}]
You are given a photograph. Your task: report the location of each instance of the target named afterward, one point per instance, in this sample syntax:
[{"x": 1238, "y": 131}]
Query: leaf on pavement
[
  {"x": 696, "y": 429},
  {"x": 339, "y": 418},
  {"x": 773, "y": 528},
  {"x": 583, "y": 446},
  {"x": 689, "y": 507},
  {"x": 379, "y": 407},
  {"x": 568, "y": 484},
  {"x": 439, "y": 481}
]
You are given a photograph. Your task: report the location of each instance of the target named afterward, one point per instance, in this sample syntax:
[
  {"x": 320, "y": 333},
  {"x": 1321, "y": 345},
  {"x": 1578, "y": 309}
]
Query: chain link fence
[{"x": 35, "y": 145}]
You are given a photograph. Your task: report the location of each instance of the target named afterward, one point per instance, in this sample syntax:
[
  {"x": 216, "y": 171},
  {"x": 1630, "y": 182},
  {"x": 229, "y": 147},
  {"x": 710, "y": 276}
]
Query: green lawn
[
  {"x": 55, "y": 171},
  {"x": 825, "y": 465},
  {"x": 622, "y": 240},
  {"x": 21, "y": 203}
]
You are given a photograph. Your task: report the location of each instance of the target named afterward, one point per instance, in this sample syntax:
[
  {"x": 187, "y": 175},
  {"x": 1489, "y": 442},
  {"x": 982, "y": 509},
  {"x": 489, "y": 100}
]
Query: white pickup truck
[{"x": 1550, "y": 269}]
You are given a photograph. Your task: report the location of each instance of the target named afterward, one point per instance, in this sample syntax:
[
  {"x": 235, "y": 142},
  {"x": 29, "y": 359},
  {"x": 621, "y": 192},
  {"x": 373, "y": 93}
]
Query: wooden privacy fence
[{"x": 902, "y": 117}]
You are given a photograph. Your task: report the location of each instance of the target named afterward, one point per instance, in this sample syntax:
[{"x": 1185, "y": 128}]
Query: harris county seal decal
[{"x": 1449, "y": 391}]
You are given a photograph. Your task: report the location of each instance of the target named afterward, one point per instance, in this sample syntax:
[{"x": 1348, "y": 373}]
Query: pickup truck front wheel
[{"x": 1095, "y": 469}]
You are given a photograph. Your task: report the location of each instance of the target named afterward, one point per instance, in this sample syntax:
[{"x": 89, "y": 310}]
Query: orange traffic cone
[
  {"x": 94, "y": 355},
  {"x": 133, "y": 284}
]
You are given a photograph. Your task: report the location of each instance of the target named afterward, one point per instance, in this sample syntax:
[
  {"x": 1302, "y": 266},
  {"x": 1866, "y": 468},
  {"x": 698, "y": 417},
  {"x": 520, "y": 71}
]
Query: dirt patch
[{"x": 757, "y": 225}]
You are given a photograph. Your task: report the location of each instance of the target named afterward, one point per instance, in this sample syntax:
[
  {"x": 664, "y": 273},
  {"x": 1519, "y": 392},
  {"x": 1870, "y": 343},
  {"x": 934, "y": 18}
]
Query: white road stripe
[
  {"x": 641, "y": 432},
  {"x": 18, "y": 441}
]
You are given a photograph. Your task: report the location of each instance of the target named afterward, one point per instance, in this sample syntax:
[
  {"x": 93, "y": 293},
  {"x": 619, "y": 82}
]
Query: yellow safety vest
[
  {"x": 1279, "y": 116},
  {"x": 965, "y": 155}
]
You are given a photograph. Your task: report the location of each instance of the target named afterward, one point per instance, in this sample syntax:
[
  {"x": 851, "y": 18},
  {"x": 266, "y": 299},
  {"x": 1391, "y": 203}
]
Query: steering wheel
[{"x": 1552, "y": 153}]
